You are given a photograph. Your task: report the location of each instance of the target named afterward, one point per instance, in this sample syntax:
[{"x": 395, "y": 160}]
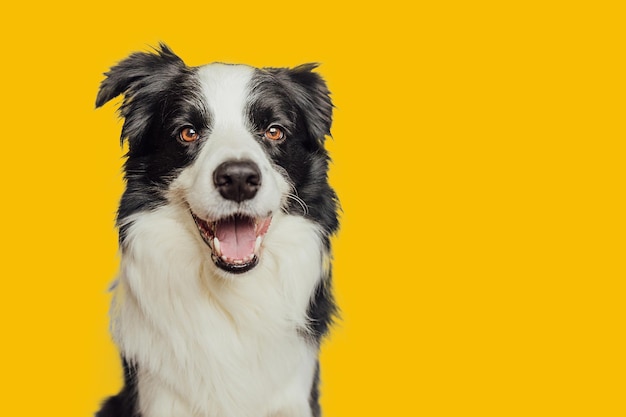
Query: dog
[{"x": 224, "y": 291}]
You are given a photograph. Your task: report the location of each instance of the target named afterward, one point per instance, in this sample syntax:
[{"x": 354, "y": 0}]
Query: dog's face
[{"x": 234, "y": 145}]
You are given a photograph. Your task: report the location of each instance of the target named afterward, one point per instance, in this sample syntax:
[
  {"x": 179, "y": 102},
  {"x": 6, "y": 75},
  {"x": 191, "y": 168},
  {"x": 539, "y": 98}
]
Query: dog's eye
[
  {"x": 188, "y": 134},
  {"x": 274, "y": 133}
]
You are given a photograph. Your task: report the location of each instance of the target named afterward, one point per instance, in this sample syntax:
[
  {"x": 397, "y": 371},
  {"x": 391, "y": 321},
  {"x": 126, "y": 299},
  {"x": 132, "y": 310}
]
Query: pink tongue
[{"x": 236, "y": 237}]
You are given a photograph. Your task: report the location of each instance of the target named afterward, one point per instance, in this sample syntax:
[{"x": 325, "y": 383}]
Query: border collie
[{"x": 224, "y": 289}]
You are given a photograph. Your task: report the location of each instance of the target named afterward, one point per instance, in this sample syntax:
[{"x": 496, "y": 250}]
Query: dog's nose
[{"x": 237, "y": 180}]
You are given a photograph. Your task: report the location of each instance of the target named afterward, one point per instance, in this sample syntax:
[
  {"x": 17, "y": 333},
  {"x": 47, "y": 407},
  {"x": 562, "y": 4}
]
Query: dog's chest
[
  {"x": 211, "y": 347},
  {"x": 237, "y": 372}
]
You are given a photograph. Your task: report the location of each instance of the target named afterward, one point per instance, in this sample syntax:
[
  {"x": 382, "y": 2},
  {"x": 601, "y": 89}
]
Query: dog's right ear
[
  {"x": 131, "y": 74},
  {"x": 140, "y": 78}
]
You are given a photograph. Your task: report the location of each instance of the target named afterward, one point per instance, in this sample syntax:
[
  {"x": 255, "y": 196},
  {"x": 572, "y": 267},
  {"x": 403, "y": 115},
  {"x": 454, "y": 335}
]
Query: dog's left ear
[{"x": 311, "y": 94}]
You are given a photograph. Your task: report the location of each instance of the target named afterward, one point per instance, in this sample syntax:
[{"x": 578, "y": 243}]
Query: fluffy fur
[{"x": 208, "y": 326}]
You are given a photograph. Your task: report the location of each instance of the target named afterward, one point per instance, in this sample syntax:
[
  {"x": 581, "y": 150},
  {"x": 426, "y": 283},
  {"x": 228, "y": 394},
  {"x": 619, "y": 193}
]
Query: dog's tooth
[
  {"x": 217, "y": 246},
  {"x": 257, "y": 243}
]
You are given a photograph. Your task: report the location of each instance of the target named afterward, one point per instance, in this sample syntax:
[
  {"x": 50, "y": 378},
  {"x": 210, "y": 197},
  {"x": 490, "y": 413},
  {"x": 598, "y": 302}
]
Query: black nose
[{"x": 237, "y": 180}]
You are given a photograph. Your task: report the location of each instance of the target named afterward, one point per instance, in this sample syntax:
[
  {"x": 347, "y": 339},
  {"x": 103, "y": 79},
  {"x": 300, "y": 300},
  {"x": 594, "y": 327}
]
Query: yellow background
[{"x": 479, "y": 155}]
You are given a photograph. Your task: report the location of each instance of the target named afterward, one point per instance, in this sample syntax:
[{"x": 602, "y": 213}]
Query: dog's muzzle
[{"x": 235, "y": 239}]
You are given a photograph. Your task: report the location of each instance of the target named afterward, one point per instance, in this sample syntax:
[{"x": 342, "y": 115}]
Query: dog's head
[{"x": 234, "y": 145}]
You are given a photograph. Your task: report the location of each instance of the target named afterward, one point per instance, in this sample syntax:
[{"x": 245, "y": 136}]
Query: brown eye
[
  {"x": 274, "y": 133},
  {"x": 189, "y": 134}
]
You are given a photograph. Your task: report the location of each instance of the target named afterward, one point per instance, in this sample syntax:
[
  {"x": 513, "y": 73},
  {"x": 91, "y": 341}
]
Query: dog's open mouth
[{"x": 235, "y": 241}]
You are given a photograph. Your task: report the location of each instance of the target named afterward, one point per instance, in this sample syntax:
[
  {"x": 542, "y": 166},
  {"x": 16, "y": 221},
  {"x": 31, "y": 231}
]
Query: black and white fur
[{"x": 200, "y": 336}]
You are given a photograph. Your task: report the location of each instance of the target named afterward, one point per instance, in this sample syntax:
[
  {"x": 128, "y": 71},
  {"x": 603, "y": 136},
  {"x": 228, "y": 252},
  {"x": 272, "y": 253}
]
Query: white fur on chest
[{"x": 211, "y": 346}]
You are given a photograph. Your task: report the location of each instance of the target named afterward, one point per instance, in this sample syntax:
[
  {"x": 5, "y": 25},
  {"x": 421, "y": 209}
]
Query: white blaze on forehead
[{"x": 226, "y": 88}]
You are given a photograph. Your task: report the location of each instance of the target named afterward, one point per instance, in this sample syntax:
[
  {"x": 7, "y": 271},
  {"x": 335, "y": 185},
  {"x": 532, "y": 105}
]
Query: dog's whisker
[
  {"x": 293, "y": 193},
  {"x": 294, "y": 197}
]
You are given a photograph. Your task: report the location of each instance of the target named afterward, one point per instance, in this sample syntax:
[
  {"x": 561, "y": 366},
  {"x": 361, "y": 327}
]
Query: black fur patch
[
  {"x": 161, "y": 95},
  {"x": 298, "y": 99},
  {"x": 125, "y": 403}
]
